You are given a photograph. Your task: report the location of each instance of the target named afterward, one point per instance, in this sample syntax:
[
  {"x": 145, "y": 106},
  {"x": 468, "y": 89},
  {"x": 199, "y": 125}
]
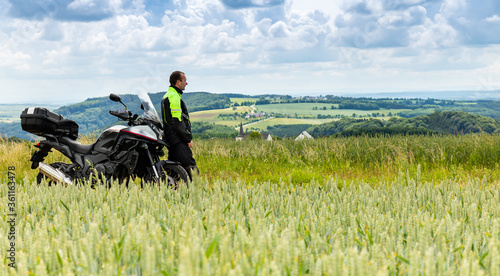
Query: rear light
[{"x": 37, "y": 145}]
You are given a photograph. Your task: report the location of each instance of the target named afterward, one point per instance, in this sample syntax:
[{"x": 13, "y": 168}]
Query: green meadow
[{"x": 402, "y": 205}]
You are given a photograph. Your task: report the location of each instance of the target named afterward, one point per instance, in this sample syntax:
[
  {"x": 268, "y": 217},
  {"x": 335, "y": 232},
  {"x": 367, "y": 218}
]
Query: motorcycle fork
[{"x": 151, "y": 160}]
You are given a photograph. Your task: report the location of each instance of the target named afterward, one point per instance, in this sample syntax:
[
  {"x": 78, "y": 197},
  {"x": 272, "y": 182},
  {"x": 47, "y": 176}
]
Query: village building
[
  {"x": 256, "y": 115},
  {"x": 304, "y": 135},
  {"x": 243, "y": 136}
]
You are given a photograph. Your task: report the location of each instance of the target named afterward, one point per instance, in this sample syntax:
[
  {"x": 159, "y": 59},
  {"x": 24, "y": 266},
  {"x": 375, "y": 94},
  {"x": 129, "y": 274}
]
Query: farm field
[
  {"x": 304, "y": 111},
  {"x": 212, "y": 116},
  {"x": 362, "y": 206},
  {"x": 10, "y": 112},
  {"x": 307, "y": 109}
]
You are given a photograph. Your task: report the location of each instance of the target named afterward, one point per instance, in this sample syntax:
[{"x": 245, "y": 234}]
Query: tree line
[
  {"x": 450, "y": 122},
  {"x": 415, "y": 107}
]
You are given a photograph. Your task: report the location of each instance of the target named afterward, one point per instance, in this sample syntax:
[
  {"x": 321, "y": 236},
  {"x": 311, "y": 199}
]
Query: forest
[{"x": 447, "y": 122}]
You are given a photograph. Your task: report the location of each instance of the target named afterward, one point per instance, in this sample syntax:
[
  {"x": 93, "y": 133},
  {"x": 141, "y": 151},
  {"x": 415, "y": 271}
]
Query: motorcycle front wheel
[{"x": 174, "y": 175}]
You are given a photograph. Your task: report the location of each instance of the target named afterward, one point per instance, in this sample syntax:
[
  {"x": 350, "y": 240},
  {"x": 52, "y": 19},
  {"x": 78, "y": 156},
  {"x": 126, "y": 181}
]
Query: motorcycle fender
[
  {"x": 44, "y": 147},
  {"x": 169, "y": 162},
  {"x": 37, "y": 157},
  {"x": 161, "y": 142}
]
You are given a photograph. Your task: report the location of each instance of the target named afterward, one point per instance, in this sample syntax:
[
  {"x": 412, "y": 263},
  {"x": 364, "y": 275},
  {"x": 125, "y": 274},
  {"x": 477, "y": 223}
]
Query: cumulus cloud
[
  {"x": 16, "y": 60},
  {"x": 494, "y": 18},
  {"x": 199, "y": 29},
  {"x": 119, "y": 38},
  {"x": 386, "y": 23}
]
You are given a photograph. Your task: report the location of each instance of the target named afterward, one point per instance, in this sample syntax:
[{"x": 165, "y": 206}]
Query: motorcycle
[{"x": 121, "y": 153}]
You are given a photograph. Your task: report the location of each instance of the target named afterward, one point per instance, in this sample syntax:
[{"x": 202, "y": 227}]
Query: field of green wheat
[{"x": 406, "y": 205}]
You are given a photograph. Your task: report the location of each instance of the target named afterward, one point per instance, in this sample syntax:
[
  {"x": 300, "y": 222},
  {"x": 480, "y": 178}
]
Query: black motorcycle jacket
[{"x": 176, "y": 124}]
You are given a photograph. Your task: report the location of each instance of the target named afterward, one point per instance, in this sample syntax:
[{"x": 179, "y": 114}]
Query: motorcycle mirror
[{"x": 116, "y": 98}]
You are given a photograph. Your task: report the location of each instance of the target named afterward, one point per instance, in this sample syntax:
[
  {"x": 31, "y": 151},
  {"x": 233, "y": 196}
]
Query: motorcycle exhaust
[{"x": 54, "y": 174}]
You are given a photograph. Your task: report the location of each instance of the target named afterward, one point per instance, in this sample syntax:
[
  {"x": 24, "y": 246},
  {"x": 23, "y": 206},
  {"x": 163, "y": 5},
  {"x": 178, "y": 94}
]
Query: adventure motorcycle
[{"x": 120, "y": 153}]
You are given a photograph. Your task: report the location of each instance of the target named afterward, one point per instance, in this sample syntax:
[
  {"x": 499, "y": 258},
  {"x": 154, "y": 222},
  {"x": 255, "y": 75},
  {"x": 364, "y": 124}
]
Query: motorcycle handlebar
[
  {"x": 127, "y": 116},
  {"x": 124, "y": 115}
]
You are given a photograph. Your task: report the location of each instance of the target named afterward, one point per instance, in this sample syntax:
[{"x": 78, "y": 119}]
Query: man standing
[{"x": 176, "y": 124}]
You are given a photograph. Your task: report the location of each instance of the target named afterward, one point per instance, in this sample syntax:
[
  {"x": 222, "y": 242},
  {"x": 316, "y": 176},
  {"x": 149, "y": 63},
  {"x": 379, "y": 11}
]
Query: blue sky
[{"x": 65, "y": 51}]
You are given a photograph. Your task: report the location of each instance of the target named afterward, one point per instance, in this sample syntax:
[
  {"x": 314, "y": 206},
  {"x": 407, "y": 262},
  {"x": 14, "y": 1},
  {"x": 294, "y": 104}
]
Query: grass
[
  {"x": 361, "y": 158},
  {"x": 402, "y": 226},
  {"x": 361, "y": 206},
  {"x": 367, "y": 159}
]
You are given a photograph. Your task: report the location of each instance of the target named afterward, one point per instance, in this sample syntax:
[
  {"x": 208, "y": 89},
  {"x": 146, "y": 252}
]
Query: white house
[
  {"x": 266, "y": 136},
  {"x": 304, "y": 135}
]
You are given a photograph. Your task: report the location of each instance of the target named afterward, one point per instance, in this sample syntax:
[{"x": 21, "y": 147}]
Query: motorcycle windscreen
[{"x": 149, "y": 109}]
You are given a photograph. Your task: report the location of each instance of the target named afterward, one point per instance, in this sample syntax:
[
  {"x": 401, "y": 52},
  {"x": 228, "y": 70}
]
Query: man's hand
[{"x": 190, "y": 144}]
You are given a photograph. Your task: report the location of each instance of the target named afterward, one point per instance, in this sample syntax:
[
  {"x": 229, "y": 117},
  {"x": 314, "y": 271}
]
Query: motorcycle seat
[{"x": 77, "y": 146}]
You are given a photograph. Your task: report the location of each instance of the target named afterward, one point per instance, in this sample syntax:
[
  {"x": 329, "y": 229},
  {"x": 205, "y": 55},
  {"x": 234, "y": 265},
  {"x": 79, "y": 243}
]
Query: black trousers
[{"x": 181, "y": 153}]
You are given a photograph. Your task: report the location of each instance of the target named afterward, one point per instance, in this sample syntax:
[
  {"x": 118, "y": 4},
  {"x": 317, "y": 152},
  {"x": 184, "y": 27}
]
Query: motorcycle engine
[{"x": 107, "y": 168}]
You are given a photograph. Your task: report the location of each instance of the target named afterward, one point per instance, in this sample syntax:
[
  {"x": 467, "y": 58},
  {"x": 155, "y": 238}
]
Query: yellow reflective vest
[{"x": 176, "y": 124}]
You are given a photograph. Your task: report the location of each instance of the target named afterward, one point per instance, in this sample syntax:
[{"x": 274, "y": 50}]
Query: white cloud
[
  {"x": 106, "y": 42},
  {"x": 81, "y": 4},
  {"x": 494, "y": 18},
  {"x": 16, "y": 60},
  {"x": 452, "y": 7},
  {"x": 434, "y": 34}
]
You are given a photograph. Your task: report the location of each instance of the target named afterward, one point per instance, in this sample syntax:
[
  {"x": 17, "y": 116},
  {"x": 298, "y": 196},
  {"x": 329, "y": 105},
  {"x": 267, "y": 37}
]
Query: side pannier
[{"x": 40, "y": 121}]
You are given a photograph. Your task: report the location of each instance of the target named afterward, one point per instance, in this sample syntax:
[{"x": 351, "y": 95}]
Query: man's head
[{"x": 178, "y": 79}]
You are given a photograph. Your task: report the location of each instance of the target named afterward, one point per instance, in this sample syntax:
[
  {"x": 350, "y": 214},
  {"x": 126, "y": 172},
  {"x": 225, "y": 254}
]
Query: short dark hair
[{"x": 174, "y": 77}]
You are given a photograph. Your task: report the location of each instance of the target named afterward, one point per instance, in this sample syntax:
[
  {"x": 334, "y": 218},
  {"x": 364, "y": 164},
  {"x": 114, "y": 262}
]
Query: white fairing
[
  {"x": 143, "y": 131},
  {"x": 116, "y": 128}
]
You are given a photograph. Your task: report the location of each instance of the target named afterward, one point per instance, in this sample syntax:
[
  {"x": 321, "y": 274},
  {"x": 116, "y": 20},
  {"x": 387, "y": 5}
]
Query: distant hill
[
  {"x": 92, "y": 115},
  {"x": 236, "y": 95},
  {"x": 443, "y": 95},
  {"x": 450, "y": 122}
]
